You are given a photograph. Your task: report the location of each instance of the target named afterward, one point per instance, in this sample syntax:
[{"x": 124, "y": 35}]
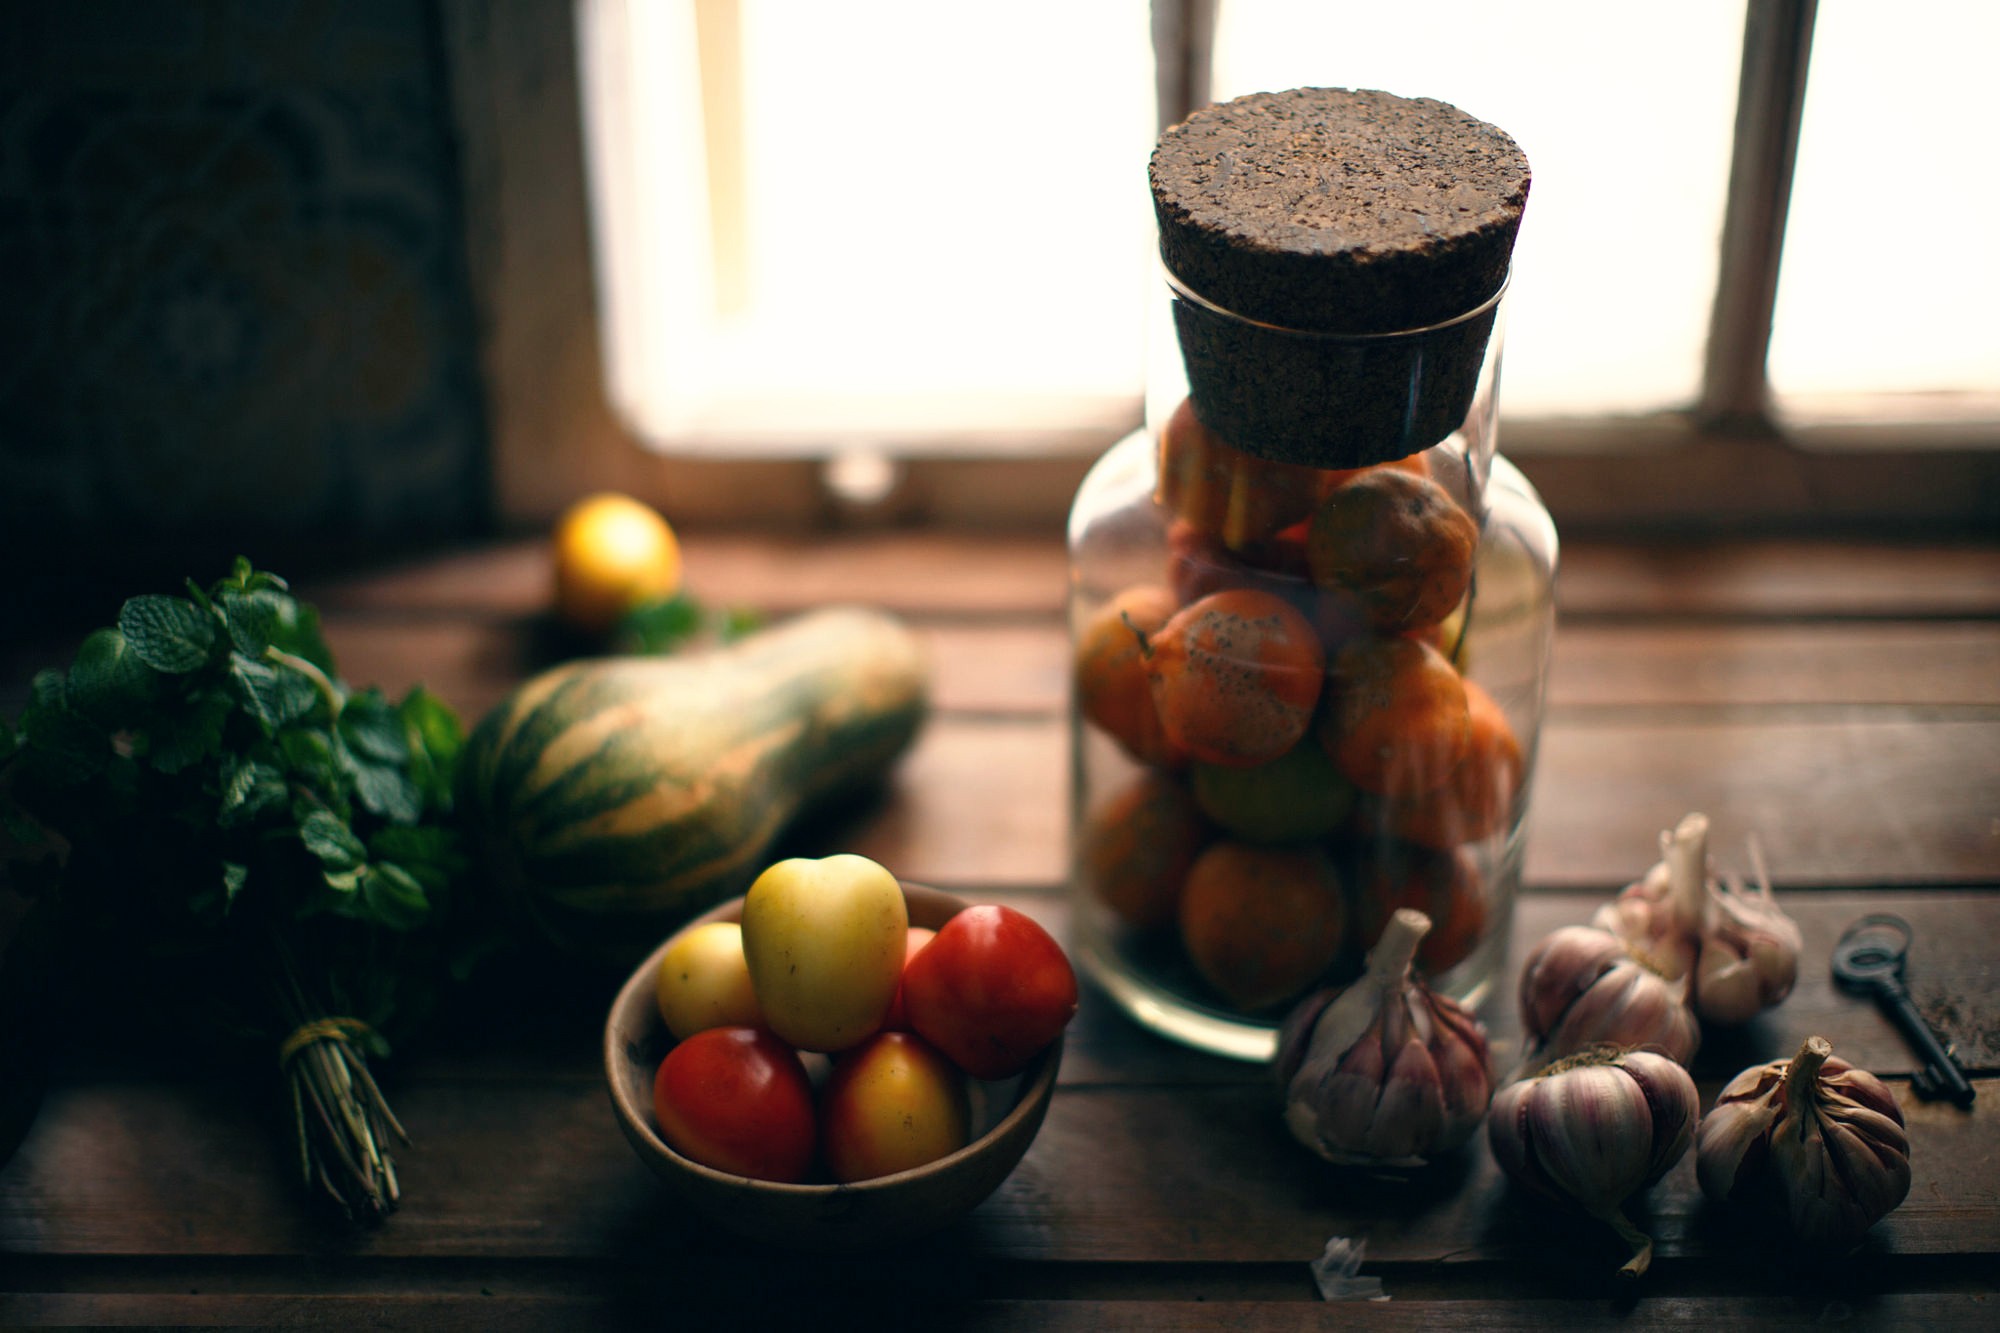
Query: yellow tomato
[
  {"x": 825, "y": 940},
  {"x": 612, "y": 553},
  {"x": 704, "y": 982},
  {"x": 892, "y": 1105}
]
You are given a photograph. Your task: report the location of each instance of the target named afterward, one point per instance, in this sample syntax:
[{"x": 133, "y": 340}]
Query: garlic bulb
[
  {"x": 1811, "y": 1138},
  {"x": 1384, "y": 1071},
  {"x": 1595, "y": 1129},
  {"x": 1582, "y": 987},
  {"x": 1737, "y": 948}
]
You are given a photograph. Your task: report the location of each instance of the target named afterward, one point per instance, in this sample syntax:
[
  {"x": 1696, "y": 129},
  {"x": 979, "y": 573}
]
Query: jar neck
[{"x": 1325, "y": 400}]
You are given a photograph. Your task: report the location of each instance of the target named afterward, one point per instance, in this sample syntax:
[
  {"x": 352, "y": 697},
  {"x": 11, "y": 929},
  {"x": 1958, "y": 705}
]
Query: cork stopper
[{"x": 1335, "y": 211}]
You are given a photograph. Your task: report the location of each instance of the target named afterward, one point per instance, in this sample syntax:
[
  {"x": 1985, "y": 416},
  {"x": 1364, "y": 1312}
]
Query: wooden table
[{"x": 1842, "y": 701}]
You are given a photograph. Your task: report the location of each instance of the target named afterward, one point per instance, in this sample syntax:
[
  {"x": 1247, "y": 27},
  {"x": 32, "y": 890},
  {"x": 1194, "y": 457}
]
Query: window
[
  {"x": 1648, "y": 306},
  {"x": 878, "y": 224}
]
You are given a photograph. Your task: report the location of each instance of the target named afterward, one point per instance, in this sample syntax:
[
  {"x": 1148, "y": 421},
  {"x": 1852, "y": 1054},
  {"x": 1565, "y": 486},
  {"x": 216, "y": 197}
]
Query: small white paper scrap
[{"x": 1337, "y": 1273}]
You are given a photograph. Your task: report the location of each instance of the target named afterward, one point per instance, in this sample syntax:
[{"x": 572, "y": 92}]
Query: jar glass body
[{"x": 1229, "y": 853}]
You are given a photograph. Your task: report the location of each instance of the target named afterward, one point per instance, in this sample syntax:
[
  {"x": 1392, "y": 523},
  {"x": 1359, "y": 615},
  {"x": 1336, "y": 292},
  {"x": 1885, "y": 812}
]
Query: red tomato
[
  {"x": 737, "y": 1099},
  {"x": 990, "y": 991},
  {"x": 891, "y": 1105},
  {"x": 898, "y": 1019}
]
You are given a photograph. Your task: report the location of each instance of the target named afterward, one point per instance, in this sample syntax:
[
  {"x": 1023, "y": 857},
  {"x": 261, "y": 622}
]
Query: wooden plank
[
  {"x": 1738, "y": 665},
  {"x": 1844, "y": 802},
  {"x": 1119, "y": 1175},
  {"x": 969, "y": 573},
  {"x": 1950, "y": 972},
  {"x": 310, "y": 1307},
  {"x": 422, "y": 1311},
  {"x": 1144, "y": 1173},
  {"x": 954, "y": 574},
  {"x": 976, "y": 803},
  {"x": 1022, "y": 668},
  {"x": 124, "y": 1160},
  {"x": 1779, "y": 578}
]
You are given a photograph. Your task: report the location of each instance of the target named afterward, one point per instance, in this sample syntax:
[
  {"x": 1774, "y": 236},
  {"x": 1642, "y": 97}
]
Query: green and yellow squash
[{"x": 610, "y": 799}]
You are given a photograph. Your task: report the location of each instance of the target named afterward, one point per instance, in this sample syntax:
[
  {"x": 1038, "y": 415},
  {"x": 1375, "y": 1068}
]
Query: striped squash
[{"x": 610, "y": 799}]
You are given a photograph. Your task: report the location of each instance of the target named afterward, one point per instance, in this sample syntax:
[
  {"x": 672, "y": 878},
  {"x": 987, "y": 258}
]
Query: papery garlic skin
[
  {"x": 1581, "y": 987},
  {"x": 1812, "y": 1139},
  {"x": 1594, "y": 1130},
  {"x": 1749, "y": 958},
  {"x": 1385, "y": 1071},
  {"x": 1659, "y": 916},
  {"x": 1736, "y": 948}
]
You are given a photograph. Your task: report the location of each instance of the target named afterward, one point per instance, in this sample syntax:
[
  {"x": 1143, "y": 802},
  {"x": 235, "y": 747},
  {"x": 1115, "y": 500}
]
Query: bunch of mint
[{"x": 221, "y": 792}]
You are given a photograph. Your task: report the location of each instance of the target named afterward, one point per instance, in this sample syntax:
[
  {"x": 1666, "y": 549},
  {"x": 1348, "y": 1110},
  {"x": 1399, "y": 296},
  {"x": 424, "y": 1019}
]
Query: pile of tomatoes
[
  {"x": 1312, "y": 757},
  {"x": 825, "y": 963}
]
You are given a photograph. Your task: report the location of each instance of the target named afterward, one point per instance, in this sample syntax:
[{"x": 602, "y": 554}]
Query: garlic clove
[
  {"x": 1411, "y": 1110},
  {"x": 1658, "y": 917},
  {"x": 1749, "y": 951}
]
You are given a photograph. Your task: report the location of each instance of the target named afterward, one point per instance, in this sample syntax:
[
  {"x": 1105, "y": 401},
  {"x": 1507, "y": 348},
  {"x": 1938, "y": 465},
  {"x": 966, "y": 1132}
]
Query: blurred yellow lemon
[{"x": 612, "y": 553}]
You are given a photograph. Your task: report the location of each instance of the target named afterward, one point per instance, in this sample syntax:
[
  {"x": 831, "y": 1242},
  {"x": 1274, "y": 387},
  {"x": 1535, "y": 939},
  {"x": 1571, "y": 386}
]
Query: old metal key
[{"x": 1868, "y": 959}]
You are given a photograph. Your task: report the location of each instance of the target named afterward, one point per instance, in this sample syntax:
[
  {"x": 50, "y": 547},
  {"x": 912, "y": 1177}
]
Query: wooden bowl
[{"x": 823, "y": 1217}]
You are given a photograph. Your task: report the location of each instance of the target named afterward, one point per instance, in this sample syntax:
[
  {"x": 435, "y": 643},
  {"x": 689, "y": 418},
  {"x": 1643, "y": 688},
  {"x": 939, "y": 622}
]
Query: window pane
[
  {"x": 1891, "y": 278},
  {"x": 876, "y": 222},
  {"x": 1626, "y": 113}
]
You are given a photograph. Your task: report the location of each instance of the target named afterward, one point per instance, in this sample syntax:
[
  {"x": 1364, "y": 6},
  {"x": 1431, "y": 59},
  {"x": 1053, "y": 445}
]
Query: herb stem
[{"x": 335, "y": 698}]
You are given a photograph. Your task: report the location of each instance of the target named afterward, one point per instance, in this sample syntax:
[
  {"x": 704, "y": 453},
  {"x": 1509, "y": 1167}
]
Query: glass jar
[{"x": 1305, "y": 696}]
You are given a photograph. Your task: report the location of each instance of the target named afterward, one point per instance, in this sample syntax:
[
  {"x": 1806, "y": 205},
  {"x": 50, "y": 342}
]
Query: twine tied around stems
[
  {"x": 342, "y": 1119},
  {"x": 324, "y": 1029}
]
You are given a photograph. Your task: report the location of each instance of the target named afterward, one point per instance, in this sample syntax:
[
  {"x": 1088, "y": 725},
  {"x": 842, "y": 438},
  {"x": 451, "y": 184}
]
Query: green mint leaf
[
  {"x": 17, "y": 826},
  {"x": 344, "y": 881},
  {"x": 659, "y": 626},
  {"x": 393, "y": 898},
  {"x": 294, "y": 629},
  {"x": 184, "y": 736},
  {"x": 108, "y": 683},
  {"x": 61, "y": 747},
  {"x": 273, "y": 693},
  {"x": 383, "y": 789},
  {"x": 737, "y": 622},
  {"x": 429, "y": 852},
  {"x": 435, "y": 738},
  {"x": 250, "y": 788},
  {"x": 170, "y": 634},
  {"x": 373, "y": 730},
  {"x": 234, "y": 876},
  {"x": 328, "y": 838},
  {"x": 308, "y": 753},
  {"x": 253, "y": 618}
]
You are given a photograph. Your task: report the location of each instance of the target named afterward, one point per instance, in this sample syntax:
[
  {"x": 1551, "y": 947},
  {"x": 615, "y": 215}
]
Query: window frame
[{"x": 1727, "y": 464}]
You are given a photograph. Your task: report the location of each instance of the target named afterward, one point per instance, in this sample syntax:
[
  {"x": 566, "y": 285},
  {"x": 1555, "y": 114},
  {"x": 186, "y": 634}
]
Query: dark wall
[{"x": 234, "y": 312}]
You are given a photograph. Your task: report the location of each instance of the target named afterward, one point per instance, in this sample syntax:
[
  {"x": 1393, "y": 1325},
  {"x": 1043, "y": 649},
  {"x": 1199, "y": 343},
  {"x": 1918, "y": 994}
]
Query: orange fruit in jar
[
  {"x": 1477, "y": 800},
  {"x": 1399, "y": 543},
  {"x": 1417, "y": 465},
  {"x": 1225, "y": 492},
  {"x": 1199, "y": 564},
  {"x": 1444, "y": 886},
  {"x": 1235, "y": 677},
  {"x": 1297, "y": 797},
  {"x": 1399, "y": 721},
  {"x": 1261, "y": 924},
  {"x": 1136, "y": 847},
  {"x": 1113, "y": 690}
]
